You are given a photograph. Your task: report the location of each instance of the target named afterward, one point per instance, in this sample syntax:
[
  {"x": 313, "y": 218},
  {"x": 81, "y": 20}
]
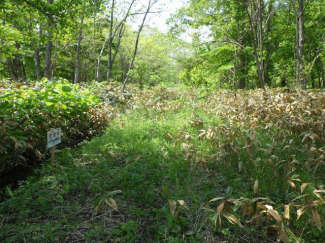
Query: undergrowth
[
  {"x": 28, "y": 111},
  {"x": 184, "y": 166}
]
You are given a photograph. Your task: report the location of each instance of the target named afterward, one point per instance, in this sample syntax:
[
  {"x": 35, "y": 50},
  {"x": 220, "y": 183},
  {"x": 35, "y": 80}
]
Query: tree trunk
[
  {"x": 49, "y": 45},
  {"x": 77, "y": 65},
  {"x": 323, "y": 77},
  {"x": 150, "y": 4},
  {"x": 242, "y": 69},
  {"x": 256, "y": 31},
  {"x": 121, "y": 32},
  {"x": 111, "y": 58},
  {"x": 94, "y": 38},
  {"x": 110, "y": 43},
  {"x": 98, "y": 61},
  {"x": 19, "y": 67},
  {"x": 300, "y": 45},
  {"x": 38, "y": 63},
  {"x": 267, "y": 45},
  {"x": 11, "y": 69},
  {"x": 48, "y": 58},
  {"x": 260, "y": 44}
]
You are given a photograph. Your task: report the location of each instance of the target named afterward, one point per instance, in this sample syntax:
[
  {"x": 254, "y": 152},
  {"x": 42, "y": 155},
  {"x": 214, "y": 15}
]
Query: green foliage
[
  {"x": 251, "y": 162},
  {"x": 29, "y": 111},
  {"x": 229, "y": 25}
]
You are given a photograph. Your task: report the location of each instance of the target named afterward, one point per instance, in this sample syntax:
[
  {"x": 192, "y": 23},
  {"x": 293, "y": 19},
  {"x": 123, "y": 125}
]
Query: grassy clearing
[{"x": 151, "y": 176}]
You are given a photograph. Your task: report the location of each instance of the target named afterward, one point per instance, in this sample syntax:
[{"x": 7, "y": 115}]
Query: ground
[{"x": 149, "y": 178}]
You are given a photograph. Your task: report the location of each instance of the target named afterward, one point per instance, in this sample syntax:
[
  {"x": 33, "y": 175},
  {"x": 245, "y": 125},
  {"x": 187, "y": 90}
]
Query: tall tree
[
  {"x": 49, "y": 46},
  {"x": 77, "y": 65},
  {"x": 151, "y": 3},
  {"x": 300, "y": 15}
]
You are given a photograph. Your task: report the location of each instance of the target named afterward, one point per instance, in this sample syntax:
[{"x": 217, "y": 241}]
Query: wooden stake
[{"x": 52, "y": 150}]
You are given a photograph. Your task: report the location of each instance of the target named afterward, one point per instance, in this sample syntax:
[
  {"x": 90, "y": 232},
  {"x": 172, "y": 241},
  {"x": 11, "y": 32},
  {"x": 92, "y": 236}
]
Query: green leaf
[{"x": 66, "y": 89}]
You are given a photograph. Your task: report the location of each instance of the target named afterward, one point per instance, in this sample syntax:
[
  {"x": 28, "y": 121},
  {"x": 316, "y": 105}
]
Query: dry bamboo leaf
[
  {"x": 283, "y": 236},
  {"x": 99, "y": 205},
  {"x": 302, "y": 210},
  {"x": 260, "y": 206},
  {"x": 287, "y": 212},
  {"x": 255, "y": 186},
  {"x": 322, "y": 191},
  {"x": 293, "y": 185},
  {"x": 112, "y": 203},
  {"x": 181, "y": 203},
  {"x": 275, "y": 215},
  {"x": 221, "y": 206},
  {"x": 114, "y": 192},
  {"x": 216, "y": 199},
  {"x": 232, "y": 219},
  {"x": 240, "y": 166},
  {"x": 172, "y": 206},
  {"x": 316, "y": 218},
  {"x": 220, "y": 220},
  {"x": 303, "y": 186},
  {"x": 256, "y": 216}
]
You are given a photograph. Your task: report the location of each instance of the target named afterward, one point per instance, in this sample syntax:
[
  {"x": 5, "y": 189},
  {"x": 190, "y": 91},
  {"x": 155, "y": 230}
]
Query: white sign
[{"x": 53, "y": 137}]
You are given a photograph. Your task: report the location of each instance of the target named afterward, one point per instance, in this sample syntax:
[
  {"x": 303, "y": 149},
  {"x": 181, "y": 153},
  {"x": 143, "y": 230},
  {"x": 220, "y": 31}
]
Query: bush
[{"x": 27, "y": 112}]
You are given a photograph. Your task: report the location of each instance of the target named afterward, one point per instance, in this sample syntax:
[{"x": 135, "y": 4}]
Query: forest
[{"x": 182, "y": 121}]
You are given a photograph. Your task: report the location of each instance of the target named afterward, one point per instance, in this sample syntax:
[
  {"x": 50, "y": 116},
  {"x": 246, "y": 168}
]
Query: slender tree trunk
[
  {"x": 120, "y": 27},
  {"x": 19, "y": 67},
  {"x": 11, "y": 69},
  {"x": 260, "y": 44},
  {"x": 49, "y": 45},
  {"x": 150, "y": 4},
  {"x": 56, "y": 54},
  {"x": 121, "y": 32},
  {"x": 313, "y": 83},
  {"x": 110, "y": 43},
  {"x": 300, "y": 45},
  {"x": 319, "y": 80},
  {"x": 256, "y": 31},
  {"x": 242, "y": 65},
  {"x": 77, "y": 65},
  {"x": 239, "y": 67},
  {"x": 267, "y": 45},
  {"x": 98, "y": 61},
  {"x": 94, "y": 38},
  {"x": 323, "y": 76},
  {"x": 38, "y": 63},
  {"x": 24, "y": 71},
  {"x": 48, "y": 58},
  {"x": 37, "y": 59}
]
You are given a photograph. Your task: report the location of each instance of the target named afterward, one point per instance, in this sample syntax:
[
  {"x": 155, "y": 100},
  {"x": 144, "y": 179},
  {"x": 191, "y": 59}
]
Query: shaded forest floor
[{"x": 151, "y": 176}]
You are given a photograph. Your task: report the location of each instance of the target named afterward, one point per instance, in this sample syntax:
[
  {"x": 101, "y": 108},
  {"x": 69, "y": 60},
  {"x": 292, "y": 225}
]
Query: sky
[{"x": 166, "y": 9}]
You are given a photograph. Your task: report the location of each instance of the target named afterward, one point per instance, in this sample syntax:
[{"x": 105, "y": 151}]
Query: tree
[
  {"x": 151, "y": 3},
  {"x": 77, "y": 66}
]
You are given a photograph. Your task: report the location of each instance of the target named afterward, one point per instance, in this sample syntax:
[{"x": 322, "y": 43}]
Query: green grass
[
  {"x": 135, "y": 156},
  {"x": 147, "y": 157}
]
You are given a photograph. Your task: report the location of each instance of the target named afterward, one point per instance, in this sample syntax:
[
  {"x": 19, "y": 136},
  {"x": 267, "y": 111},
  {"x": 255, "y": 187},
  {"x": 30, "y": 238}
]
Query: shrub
[{"x": 27, "y": 112}]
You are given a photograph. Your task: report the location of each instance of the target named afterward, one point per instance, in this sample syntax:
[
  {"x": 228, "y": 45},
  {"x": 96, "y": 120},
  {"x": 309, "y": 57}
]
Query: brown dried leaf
[
  {"x": 287, "y": 212},
  {"x": 283, "y": 236},
  {"x": 232, "y": 219},
  {"x": 275, "y": 215},
  {"x": 316, "y": 218},
  {"x": 303, "y": 186},
  {"x": 255, "y": 186},
  {"x": 216, "y": 199},
  {"x": 99, "y": 205},
  {"x": 302, "y": 210},
  {"x": 172, "y": 206},
  {"x": 221, "y": 206},
  {"x": 112, "y": 203}
]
